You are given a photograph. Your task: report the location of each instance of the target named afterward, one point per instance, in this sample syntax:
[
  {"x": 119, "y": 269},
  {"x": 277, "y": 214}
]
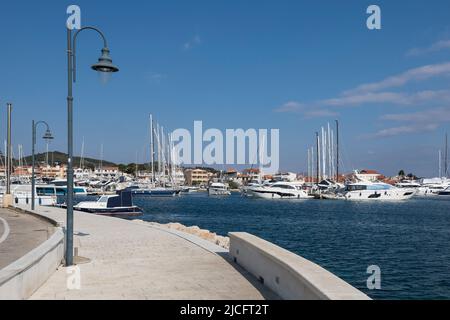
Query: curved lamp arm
[
  {"x": 35, "y": 126},
  {"x": 105, "y": 45}
]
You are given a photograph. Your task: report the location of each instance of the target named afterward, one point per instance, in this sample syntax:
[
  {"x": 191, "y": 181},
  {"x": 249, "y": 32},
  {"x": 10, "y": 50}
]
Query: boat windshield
[
  {"x": 356, "y": 187},
  {"x": 103, "y": 199}
]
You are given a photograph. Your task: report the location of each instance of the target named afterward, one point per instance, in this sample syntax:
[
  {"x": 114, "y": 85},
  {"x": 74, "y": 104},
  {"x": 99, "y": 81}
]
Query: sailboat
[
  {"x": 160, "y": 180},
  {"x": 437, "y": 186}
]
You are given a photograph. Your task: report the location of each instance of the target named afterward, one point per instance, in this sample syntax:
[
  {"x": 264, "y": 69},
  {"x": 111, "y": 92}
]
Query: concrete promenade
[
  {"x": 19, "y": 234},
  {"x": 139, "y": 260}
]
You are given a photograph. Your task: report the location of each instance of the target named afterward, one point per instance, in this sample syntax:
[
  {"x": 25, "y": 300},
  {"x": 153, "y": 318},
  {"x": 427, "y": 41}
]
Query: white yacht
[
  {"x": 432, "y": 187},
  {"x": 22, "y": 195},
  {"x": 408, "y": 185},
  {"x": 445, "y": 193},
  {"x": 278, "y": 190},
  {"x": 376, "y": 191},
  {"x": 218, "y": 189},
  {"x": 120, "y": 204}
]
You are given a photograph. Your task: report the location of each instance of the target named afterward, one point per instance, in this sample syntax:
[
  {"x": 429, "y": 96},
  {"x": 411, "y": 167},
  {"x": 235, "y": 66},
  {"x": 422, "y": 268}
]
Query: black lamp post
[
  {"x": 104, "y": 64},
  {"x": 47, "y": 136}
]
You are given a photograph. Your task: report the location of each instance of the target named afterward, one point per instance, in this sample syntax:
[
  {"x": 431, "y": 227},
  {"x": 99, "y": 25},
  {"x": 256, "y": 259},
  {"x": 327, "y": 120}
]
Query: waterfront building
[
  {"x": 286, "y": 176},
  {"x": 58, "y": 171},
  {"x": 197, "y": 176},
  {"x": 109, "y": 172},
  {"x": 248, "y": 175},
  {"x": 178, "y": 177},
  {"x": 367, "y": 175},
  {"x": 21, "y": 171}
]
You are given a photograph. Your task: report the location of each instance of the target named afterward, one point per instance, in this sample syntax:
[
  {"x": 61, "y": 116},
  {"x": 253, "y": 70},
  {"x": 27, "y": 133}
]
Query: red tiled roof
[
  {"x": 369, "y": 172},
  {"x": 251, "y": 170}
]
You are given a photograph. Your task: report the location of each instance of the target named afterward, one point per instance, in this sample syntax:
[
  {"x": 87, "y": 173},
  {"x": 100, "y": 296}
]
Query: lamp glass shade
[
  {"x": 48, "y": 135},
  {"x": 104, "y": 63}
]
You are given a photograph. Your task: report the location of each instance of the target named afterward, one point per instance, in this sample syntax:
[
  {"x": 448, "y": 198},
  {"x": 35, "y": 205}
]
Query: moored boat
[
  {"x": 120, "y": 204},
  {"x": 279, "y": 190},
  {"x": 218, "y": 189},
  {"x": 376, "y": 191}
]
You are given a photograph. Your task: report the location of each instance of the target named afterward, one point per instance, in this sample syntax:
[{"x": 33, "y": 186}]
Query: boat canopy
[{"x": 122, "y": 199}]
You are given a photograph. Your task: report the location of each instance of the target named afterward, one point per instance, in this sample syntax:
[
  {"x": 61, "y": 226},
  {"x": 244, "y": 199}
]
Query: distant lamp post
[
  {"x": 104, "y": 64},
  {"x": 47, "y": 136}
]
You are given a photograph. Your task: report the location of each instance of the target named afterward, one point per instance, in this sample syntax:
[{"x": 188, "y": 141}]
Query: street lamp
[
  {"x": 104, "y": 64},
  {"x": 47, "y": 136}
]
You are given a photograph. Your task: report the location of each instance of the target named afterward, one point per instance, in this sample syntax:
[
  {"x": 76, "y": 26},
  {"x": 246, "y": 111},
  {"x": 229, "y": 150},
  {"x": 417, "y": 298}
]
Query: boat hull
[
  {"x": 218, "y": 192},
  {"x": 119, "y": 211},
  {"x": 275, "y": 194},
  {"x": 156, "y": 193},
  {"x": 389, "y": 195}
]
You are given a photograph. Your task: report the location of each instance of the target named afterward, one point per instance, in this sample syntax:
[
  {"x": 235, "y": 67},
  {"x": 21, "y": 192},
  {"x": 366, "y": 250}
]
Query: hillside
[{"x": 60, "y": 157}]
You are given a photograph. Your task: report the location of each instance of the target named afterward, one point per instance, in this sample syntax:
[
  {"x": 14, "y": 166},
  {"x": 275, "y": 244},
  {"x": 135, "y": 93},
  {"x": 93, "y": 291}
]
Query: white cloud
[
  {"x": 307, "y": 112},
  {"x": 195, "y": 41},
  {"x": 436, "y": 115},
  {"x": 156, "y": 77},
  {"x": 407, "y": 129},
  {"x": 371, "y": 93},
  {"x": 416, "y": 122},
  {"x": 435, "y": 47},
  {"x": 399, "y": 80},
  {"x": 291, "y": 106},
  {"x": 320, "y": 113},
  {"x": 399, "y": 98}
]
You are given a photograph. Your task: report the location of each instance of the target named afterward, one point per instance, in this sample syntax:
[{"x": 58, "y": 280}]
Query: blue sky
[{"x": 292, "y": 65}]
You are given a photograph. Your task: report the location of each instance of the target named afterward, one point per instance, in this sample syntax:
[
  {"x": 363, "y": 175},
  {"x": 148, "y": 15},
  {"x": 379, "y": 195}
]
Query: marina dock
[
  {"x": 126, "y": 259},
  {"x": 133, "y": 260}
]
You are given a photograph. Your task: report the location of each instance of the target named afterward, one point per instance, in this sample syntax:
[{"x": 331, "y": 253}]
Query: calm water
[{"x": 409, "y": 241}]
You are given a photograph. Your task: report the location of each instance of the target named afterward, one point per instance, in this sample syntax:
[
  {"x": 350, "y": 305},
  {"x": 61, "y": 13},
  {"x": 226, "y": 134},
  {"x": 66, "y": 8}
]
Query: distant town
[{"x": 53, "y": 166}]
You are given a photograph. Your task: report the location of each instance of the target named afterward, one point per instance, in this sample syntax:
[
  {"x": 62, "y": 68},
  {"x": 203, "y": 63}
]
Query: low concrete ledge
[
  {"x": 20, "y": 279},
  {"x": 42, "y": 214},
  {"x": 287, "y": 274}
]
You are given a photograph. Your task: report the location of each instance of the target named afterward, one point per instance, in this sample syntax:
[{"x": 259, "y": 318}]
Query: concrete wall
[
  {"x": 287, "y": 274},
  {"x": 24, "y": 276}
]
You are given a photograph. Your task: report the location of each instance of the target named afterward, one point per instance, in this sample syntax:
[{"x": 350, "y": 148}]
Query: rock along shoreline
[{"x": 219, "y": 240}]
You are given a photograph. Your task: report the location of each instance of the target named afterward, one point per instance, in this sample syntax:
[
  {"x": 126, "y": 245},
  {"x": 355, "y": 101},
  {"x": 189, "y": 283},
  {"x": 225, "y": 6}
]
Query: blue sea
[{"x": 409, "y": 240}]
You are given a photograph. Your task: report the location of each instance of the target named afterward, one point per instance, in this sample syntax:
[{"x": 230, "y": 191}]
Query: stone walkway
[
  {"x": 19, "y": 234},
  {"x": 138, "y": 260}
]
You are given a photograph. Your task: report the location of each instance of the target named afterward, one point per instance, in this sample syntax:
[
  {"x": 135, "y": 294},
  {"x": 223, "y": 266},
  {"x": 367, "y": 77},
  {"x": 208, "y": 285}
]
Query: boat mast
[
  {"x": 446, "y": 156},
  {"x": 324, "y": 154},
  {"x": 159, "y": 149},
  {"x": 337, "y": 151},
  {"x": 329, "y": 151},
  {"x": 440, "y": 167},
  {"x": 152, "y": 151},
  {"x": 318, "y": 158},
  {"x": 82, "y": 154},
  {"x": 136, "y": 166},
  {"x": 163, "y": 152},
  {"x": 312, "y": 165},
  {"x": 308, "y": 174},
  {"x": 333, "y": 169},
  {"x": 101, "y": 159},
  {"x": 261, "y": 157}
]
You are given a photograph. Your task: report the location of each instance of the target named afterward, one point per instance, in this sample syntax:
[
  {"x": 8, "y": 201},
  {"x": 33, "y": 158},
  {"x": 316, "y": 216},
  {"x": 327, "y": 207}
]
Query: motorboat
[
  {"x": 432, "y": 187},
  {"x": 376, "y": 191},
  {"x": 120, "y": 204},
  {"x": 156, "y": 192},
  {"x": 445, "y": 193},
  {"x": 278, "y": 190},
  {"x": 22, "y": 195},
  {"x": 218, "y": 189},
  {"x": 188, "y": 189}
]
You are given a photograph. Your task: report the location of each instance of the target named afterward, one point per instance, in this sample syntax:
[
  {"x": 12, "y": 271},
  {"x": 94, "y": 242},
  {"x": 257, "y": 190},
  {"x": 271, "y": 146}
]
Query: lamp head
[
  {"x": 104, "y": 63},
  {"x": 48, "y": 135}
]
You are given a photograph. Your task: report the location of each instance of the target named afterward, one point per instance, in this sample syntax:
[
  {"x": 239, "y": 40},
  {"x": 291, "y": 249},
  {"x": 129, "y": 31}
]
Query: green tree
[
  {"x": 233, "y": 185},
  {"x": 401, "y": 173}
]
